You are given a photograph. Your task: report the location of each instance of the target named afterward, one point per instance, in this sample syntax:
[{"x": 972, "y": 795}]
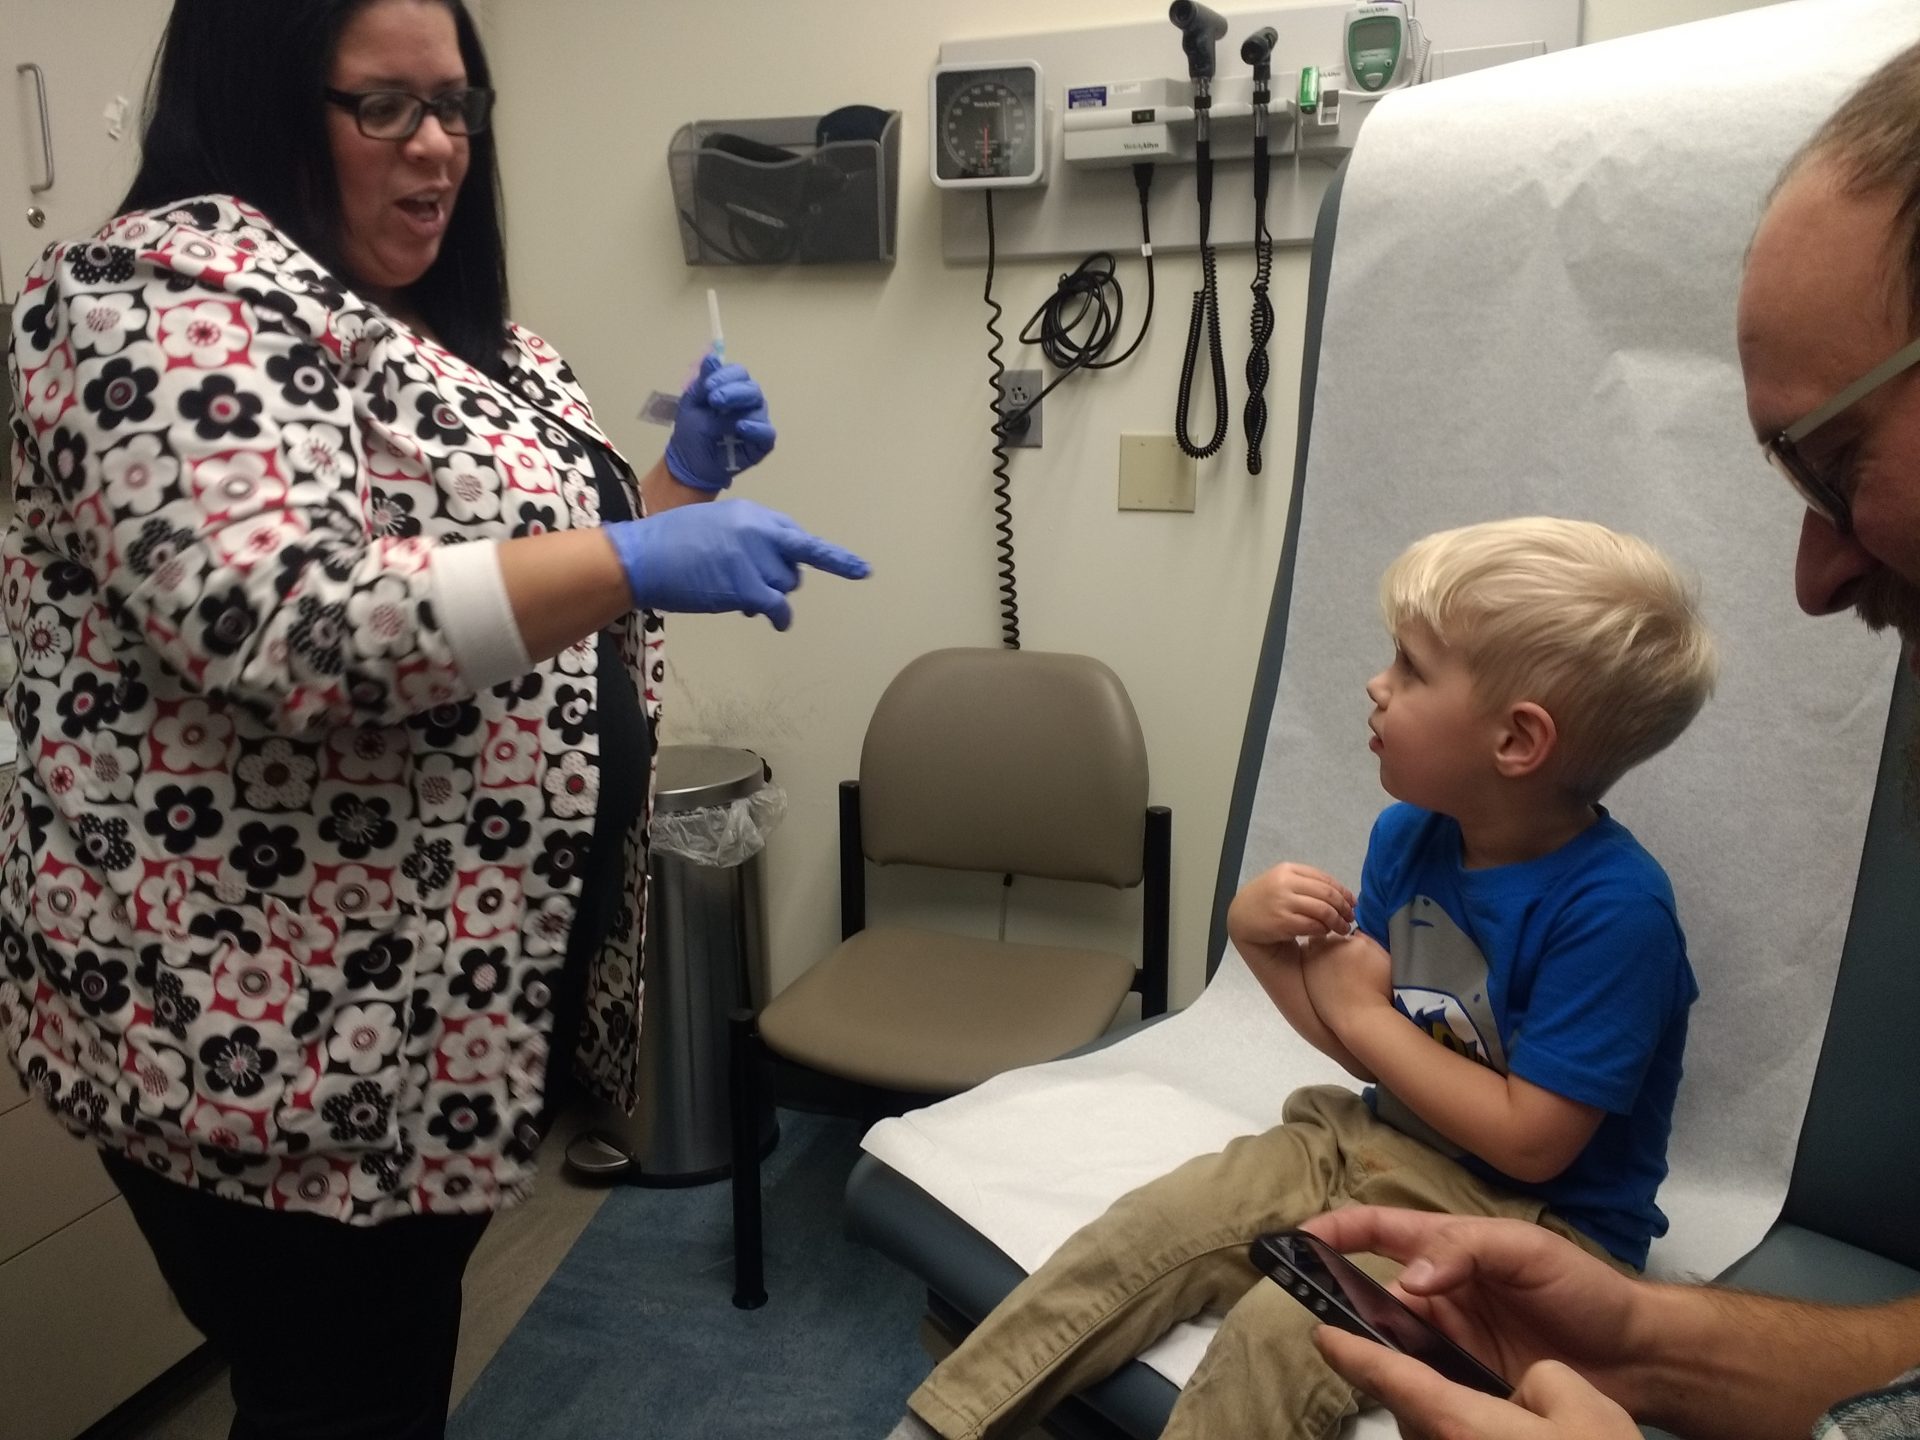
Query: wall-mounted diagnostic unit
[
  {"x": 1119, "y": 96},
  {"x": 1384, "y": 47},
  {"x": 989, "y": 127}
]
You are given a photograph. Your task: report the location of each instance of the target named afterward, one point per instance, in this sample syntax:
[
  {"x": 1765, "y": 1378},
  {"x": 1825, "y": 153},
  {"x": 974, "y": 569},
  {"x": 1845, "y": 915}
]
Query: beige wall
[
  {"x": 877, "y": 379},
  {"x": 1608, "y": 19}
]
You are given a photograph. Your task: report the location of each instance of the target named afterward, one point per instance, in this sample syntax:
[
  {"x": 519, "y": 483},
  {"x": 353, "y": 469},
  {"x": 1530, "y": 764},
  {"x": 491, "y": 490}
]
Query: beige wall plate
[{"x": 1155, "y": 474}]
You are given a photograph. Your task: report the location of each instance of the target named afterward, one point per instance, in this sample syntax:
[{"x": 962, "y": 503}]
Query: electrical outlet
[{"x": 1017, "y": 387}]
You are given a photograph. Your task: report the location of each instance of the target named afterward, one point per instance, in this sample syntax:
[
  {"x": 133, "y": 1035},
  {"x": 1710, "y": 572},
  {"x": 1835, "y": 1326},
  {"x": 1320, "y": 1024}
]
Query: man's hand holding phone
[
  {"x": 1345, "y": 1297},
  {"x": 1551, "y": 1402},
  {"x": 1524, "y": 1300}
]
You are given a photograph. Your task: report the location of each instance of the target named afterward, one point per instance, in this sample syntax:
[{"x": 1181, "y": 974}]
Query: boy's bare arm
[
  {"x": 1274, "y": 914},
  {"x": 1529, "y": 1133},
  {"x": 1277, "y": 968}
]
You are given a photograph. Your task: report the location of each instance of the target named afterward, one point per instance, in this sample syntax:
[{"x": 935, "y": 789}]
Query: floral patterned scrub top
[{"x": 288, "y": 875}]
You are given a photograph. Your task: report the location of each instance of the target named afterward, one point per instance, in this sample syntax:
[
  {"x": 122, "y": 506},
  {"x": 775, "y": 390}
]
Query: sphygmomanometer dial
[{"x": 987, "y": 125}]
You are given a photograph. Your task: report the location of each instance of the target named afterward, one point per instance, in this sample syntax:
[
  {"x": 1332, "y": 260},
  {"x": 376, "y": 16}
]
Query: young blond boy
[{"x": 1511, "y": 981}]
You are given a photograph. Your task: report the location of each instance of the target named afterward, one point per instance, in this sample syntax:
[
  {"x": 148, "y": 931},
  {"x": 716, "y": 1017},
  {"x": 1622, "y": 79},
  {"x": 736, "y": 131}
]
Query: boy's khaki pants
[{"x": 1178, "y": 1246}]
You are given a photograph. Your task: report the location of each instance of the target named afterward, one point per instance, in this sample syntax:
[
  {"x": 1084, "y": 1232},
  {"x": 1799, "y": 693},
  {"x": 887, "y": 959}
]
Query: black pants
[{"x": 345, "y": 1332}]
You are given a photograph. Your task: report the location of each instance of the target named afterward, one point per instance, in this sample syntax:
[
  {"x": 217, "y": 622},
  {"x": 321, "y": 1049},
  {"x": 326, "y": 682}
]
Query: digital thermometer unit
[{"x": 1380, "y": 48}]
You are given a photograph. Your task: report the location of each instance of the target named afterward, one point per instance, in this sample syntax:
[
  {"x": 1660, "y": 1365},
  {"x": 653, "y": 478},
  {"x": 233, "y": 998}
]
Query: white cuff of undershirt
[{"x": 470, "y": 599}]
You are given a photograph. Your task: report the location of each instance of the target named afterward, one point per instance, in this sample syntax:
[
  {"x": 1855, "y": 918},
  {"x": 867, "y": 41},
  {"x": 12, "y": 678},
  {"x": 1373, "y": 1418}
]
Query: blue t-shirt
[{"x": 1569, "y": 971}]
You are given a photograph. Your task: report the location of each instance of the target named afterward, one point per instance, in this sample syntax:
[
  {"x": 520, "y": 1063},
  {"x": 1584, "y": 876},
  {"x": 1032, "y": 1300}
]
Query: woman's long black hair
[{"x": 235, "y": 107}]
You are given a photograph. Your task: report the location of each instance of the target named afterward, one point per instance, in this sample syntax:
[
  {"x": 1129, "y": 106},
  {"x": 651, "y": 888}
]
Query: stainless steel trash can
[{"x": 705, "y": 956}]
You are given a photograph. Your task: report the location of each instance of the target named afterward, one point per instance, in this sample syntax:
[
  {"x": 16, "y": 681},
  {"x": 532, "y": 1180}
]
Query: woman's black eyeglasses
[{"x": 396, "y": 114}]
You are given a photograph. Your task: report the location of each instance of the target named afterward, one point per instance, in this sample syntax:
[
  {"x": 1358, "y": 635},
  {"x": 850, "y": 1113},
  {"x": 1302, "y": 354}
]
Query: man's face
[{"x": 1823, "y": 302}]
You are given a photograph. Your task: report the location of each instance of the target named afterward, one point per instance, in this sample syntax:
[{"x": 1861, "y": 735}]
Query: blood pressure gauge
[{"x": 988, "y": 125}]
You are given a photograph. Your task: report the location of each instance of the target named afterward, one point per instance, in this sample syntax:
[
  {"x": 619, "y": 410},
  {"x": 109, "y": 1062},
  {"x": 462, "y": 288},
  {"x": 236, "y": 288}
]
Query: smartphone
[{"x": 1340, "y": 1293}]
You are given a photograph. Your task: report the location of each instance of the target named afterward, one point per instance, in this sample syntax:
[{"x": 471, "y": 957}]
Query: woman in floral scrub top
[{"x": 337, "y": 691}]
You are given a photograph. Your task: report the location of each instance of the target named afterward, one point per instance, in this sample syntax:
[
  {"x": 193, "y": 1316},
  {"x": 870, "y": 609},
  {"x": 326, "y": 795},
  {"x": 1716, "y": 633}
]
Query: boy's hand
[
  {"x": 1290, "y": 902},
  {"x": 1346, "y": 976}
]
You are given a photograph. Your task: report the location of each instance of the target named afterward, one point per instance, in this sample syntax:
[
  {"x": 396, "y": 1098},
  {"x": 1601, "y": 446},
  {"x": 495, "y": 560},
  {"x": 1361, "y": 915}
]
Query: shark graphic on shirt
[{"x": 1440, "y": 984}]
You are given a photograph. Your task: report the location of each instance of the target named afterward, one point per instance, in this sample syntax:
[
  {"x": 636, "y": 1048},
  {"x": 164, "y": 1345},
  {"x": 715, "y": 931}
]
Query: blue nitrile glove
[
  {"x": 728, "y": 555},
  {"x": 720, "y": 428}
]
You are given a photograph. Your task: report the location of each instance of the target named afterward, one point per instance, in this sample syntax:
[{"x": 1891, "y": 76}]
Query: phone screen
[{"x": 1326, "y": 1282}]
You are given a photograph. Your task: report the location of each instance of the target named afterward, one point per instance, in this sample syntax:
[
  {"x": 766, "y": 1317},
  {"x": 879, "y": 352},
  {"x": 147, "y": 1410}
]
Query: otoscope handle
[
  {"x": 1257, "y": 49},
  {"x": 1200, "y": 29}
]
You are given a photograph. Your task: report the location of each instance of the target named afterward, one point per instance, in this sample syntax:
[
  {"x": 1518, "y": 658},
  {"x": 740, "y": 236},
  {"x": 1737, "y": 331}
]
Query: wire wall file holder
[{"x": 799, "y": 190}]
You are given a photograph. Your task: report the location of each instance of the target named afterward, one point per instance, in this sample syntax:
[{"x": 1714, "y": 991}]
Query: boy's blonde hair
[{"x": 1596, "y": 627}]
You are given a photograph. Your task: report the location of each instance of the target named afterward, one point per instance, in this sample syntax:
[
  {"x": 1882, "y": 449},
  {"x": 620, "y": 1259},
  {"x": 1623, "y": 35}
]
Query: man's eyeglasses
[
  {"x": 1822, "y": 493},
  {"x": 396, "y": 114}
]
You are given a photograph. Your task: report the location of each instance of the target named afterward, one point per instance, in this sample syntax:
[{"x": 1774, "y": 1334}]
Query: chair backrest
[
  {"x": 1009, "y": 761},
  {"x": 1856, "y": 1175}
]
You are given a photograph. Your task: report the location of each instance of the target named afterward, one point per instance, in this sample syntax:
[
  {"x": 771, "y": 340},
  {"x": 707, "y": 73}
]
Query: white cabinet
[
  {"x": 93, "y": 58},
  {"x": 87, "y": 1321}
]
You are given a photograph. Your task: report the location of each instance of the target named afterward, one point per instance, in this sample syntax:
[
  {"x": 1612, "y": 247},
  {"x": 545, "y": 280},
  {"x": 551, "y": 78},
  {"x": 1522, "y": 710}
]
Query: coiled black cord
[
  {"x": 1258, "y": 367},
  {"x": 1092, "y": 292},
  {"x": 1206, "y": 315},
  {"x": 1257, "y": 364},
  {"x": 1086, "y": 288},
  {"x": 1003, "y": 488}
]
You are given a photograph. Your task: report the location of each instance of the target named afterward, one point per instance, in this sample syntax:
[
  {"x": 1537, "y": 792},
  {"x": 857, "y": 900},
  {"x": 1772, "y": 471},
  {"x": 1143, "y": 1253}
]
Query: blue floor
[{"x": 636, "y": 1335}]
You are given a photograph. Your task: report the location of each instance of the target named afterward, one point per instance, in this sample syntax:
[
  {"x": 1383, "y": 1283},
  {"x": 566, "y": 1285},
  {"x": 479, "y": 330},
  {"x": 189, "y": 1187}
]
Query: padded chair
[{"x": 1003, "y": 761}]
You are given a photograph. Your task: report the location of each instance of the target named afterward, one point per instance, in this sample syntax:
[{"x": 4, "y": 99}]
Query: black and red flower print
[{"x": 282, "y": 896}]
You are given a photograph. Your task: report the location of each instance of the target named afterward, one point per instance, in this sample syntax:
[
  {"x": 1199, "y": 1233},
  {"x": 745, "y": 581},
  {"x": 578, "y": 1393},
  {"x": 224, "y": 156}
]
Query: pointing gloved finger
[{"x": 824, "y": 555}]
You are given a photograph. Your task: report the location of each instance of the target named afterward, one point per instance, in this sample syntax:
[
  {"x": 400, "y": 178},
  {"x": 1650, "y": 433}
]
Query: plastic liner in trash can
[{"x": 714, "y": 808}]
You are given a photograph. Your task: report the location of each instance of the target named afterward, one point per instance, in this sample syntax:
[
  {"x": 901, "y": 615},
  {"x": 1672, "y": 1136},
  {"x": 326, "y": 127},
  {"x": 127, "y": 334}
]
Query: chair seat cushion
[
  {"x": 933, "y": 1013},
  {"x": 1804, "y": 1263}
]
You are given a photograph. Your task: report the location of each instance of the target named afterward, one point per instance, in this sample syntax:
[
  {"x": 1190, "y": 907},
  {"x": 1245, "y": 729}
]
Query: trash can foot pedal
[{"x": 594, "y": 1156}]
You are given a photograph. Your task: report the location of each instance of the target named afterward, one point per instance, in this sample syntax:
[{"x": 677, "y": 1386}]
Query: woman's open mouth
[{"x": 426, "y": 214}]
